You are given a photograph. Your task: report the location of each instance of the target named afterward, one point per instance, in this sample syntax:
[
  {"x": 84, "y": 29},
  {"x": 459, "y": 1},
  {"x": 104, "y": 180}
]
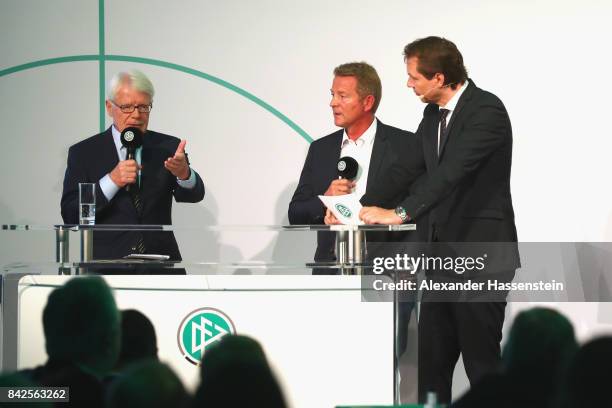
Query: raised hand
[{"x": 177, "y": 165}]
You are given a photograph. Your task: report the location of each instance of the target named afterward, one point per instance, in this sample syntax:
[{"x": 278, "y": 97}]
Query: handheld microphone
[
  {"x": 131, "y": 139},
  {"x": 347, "y": 168}
]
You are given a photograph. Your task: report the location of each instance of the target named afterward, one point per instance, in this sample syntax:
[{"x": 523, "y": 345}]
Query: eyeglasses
[{"x": 132, "y": 108}]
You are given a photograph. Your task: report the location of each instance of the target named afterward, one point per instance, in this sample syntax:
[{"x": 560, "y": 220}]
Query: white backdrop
[{"x": 547, "y": 60}]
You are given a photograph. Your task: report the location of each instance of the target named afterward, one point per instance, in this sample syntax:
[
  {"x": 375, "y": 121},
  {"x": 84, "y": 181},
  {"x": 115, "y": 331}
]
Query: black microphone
[
  {"x": 347, "y": 168},
  {"x": 131, "y": 139}
]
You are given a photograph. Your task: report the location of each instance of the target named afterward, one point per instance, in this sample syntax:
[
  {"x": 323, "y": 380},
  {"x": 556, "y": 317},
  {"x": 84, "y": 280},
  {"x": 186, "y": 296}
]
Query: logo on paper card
[{"x": 344, "y": 210}]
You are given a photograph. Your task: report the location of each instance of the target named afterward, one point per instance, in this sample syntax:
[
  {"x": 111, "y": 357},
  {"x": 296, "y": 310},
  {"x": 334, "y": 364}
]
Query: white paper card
[{"x": 345, "y": 207}]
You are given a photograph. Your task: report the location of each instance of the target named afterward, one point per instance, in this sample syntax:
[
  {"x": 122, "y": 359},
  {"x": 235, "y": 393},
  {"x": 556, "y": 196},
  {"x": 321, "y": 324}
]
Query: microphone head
[
  {"x": 347, "y": 167},
  {"x": 131, "y": 138}
]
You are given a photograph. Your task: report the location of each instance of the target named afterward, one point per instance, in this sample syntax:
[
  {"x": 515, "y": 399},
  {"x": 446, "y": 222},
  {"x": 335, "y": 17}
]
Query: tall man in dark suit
[
  {"x": 159, "y": 172},
  {"x": 466, "y": 152}
]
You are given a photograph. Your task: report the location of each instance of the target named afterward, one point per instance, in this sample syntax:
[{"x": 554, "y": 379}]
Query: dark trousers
[
  {"x": 404, "y": 311},
  {"x": 448, "y": 329}
]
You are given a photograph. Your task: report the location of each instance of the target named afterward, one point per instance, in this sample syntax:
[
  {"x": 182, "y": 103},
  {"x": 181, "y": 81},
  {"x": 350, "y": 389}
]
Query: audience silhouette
[
  {"x": 138, "y": 339},
  {"x": 588, "y": 380},
  {"x": 86, "y": 337},
  {"x": 236, "y": 373},
  {"x": 147, "y": 384},
  {"x": 534, "y": 359},
  {"x": 82, "y": 330}
]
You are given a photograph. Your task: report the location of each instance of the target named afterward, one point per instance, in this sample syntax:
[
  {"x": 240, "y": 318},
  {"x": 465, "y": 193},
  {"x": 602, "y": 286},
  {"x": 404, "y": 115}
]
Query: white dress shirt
[{"x": 360, "y": 150}]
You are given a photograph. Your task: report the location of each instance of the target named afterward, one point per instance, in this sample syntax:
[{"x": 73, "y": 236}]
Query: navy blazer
[
  {"x": 92, "y": 158},
  {"x": 390, "y": 145}
]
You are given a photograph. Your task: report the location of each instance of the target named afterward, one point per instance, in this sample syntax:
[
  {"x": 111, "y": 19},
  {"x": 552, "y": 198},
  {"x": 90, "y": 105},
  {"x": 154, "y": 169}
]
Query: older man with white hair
[{"x": 158, "y": 171}]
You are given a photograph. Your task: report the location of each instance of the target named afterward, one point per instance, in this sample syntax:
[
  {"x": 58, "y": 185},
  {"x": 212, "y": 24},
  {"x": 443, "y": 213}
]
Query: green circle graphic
[{"x": 201, "y": 329}]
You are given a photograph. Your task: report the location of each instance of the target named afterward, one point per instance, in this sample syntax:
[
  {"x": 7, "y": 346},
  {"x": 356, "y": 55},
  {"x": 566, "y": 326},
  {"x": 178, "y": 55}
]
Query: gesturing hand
[{"x": 177, "y": 165}]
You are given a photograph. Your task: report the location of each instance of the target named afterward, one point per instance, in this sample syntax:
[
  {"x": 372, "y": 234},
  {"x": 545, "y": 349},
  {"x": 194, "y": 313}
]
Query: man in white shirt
[{"x": 355, "y": 95}]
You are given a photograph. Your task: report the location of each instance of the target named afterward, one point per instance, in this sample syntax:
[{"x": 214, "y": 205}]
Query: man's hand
[
  {"x": 340, "y": 187},
  {"x": 177, "y": 165},
  {"x": 124, "y": 173},
  {"x": 330, "y": 218},
  {"x": 377, "y": 215}
]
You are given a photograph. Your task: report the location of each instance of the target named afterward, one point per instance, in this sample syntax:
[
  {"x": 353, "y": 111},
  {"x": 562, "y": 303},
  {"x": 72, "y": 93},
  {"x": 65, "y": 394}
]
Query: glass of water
[{"x": 87, "y": 203}]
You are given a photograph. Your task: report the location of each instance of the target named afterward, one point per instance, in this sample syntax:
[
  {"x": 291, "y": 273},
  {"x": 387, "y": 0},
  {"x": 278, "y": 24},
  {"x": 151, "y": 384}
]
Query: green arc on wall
[
  {"x": 164, "y": 64},
  {"x": 102, "y": 57}
]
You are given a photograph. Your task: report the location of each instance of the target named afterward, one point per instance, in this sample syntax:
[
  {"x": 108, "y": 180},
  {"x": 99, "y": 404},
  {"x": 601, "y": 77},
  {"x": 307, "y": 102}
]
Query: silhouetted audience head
[
  {"x": 588, "y": 383},
  {"x": 82, "y": 325},
  {"x": 147, "y": 384},
  {"x": 138, "y": 339},
  {"x": 235, "y": 372},
  {"x": 540, "y": 344}
]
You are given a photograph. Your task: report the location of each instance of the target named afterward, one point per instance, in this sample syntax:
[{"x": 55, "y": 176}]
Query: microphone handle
[{"x": 130, "y": 156}]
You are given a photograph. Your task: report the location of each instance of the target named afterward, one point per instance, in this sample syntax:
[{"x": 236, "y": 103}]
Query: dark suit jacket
[
  {"x": 92, "y": 158},
  {"x": 466, "y": 195},
  {"x": 390, "y": 145}
]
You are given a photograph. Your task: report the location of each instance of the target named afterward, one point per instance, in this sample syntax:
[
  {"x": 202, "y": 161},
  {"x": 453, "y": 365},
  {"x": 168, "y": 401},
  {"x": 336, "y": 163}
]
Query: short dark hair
[
  {"x": 438, "y": 55},
  {"x": 368, "y": 81},
  {"x": 235, "y": 373},
  {"x": 138, "y": 338},
  {"x": 82, "y": 324}
]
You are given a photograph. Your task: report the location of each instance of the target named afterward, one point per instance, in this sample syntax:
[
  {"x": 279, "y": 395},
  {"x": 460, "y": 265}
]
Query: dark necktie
[
  {"x": 139, "y": 246},
  {"x": 443, "y": 114}
]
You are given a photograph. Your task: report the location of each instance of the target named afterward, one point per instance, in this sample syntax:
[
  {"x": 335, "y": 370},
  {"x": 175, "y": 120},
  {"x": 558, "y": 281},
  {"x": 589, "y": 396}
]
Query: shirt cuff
[
  {"x": 108, "y": 187},
  {"x": 190, "y": 182}
]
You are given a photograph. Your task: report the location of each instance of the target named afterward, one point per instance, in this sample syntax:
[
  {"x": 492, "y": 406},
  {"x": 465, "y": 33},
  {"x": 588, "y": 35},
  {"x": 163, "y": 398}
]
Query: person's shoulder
[
  {"x": 161, "y": 139},
  {"x": 91, "y": 143},
  {"x": 329, "y": 140},
  {"x": 393, "y": 131},
  {"x": 161, "y": 136},
  {"x": 482, "y": 96}
]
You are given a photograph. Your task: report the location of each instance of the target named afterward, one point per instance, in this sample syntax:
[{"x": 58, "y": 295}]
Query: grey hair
[{"x": 134, "y": 79}]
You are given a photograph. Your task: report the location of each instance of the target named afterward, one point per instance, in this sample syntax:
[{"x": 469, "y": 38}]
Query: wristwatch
[{"x": 401, "y": 212}]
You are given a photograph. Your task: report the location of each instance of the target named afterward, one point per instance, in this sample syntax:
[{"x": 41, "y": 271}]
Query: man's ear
[{"x": 368, "y": 103}]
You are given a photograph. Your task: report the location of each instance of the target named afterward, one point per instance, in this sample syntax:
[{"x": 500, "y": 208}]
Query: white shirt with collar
[
  {"x": 451, "y": 105},
  {"x": 108, "y": 186},
  {"x": 360, "y": 150}
]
